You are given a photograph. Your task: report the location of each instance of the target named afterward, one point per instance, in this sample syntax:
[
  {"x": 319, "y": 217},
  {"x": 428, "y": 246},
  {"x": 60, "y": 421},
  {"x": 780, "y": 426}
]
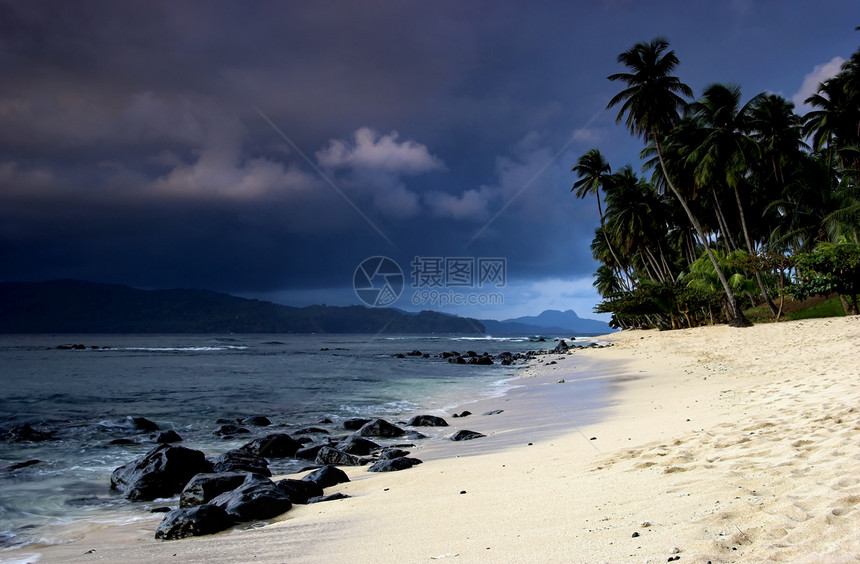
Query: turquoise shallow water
[{"x": 186, "y": 382}]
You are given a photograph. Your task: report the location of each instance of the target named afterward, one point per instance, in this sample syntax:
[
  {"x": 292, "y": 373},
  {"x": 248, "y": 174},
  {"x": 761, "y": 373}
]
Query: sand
[{"x": 709, "y": 444}]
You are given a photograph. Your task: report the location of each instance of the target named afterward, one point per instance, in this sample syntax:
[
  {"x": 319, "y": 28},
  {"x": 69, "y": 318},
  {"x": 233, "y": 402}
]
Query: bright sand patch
[{"x": 719, "y": 444}]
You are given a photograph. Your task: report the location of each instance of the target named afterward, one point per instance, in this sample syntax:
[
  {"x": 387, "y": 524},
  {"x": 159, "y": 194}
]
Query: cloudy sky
[{"x": 267, "y": 148}]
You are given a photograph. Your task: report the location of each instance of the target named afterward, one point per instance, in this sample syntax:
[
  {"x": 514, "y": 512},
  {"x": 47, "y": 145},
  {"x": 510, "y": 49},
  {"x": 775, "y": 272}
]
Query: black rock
[
  {"x": 415, "y": 435},
  {"x": 457, "y": 360},
  {"x": 358, "y": 446},
  {"x": 330, "y": 455},
  {"x": 329, "y": 497},
  {"x": 230, "y": 429},
  {"x": 463, "y": 414},
  {"x": 427, "y": 421},
  {"x": 415, "y": 353},
  {"x": 26, "y": 434},
  {"x": 123, "y": 442},
  {"x": 560, "y": 348},
  {"x": 393, "y": 464},
  {"x": 484, "y": 360},
  {"x": 309, "y": 453},
  {"x": 380, "y": 428},
  {"x": 494, "y": 412},
  {"x": 325, "y": 421},
  {"x": 300, "y": 491},
  {"x": 168, "y": 437},
  {"x": 276, "y": 445},
  {"x": 238, "y": 460},
  {"x": 15, "y": 466},
  {"x": 355, "y": 423},
  {"x": 204, "y": 487},
  {"x": 257, "y": 421},
  {"x": 327, "y": 476},
  {"x": 312, "y": 431},
  {"x": 225, "y": 421},
  {"x": 192, "y": 522},
  {"x": 162, "y": 509},
  {"x": 390, "y": 453},
  {"x": 162, "y": 472},
  {"x": 465, "y": 435},
  {"x": 144, "y": 425},
  {"x": 256, "y": 498}
]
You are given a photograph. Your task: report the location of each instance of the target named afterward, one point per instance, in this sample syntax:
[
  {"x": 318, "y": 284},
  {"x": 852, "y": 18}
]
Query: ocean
[{"x": 87, "y": 398}]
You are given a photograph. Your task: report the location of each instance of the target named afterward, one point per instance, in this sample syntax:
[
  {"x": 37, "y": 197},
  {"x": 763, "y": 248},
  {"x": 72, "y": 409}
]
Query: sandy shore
[{"x": 709, "y": 444}]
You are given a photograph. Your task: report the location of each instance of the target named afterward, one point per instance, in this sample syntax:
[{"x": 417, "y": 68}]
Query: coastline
[{"x": 715, "y": 444}]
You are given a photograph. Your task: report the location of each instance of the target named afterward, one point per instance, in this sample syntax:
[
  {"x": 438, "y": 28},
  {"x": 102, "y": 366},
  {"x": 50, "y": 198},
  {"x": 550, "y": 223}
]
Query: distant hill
[
  {"x": 73, "y": 306},
  {"x": 550, "y": 322}
]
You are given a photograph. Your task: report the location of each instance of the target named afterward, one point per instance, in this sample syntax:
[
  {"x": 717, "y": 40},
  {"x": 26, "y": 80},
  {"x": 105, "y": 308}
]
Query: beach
[{"x": 715, "y": 444}]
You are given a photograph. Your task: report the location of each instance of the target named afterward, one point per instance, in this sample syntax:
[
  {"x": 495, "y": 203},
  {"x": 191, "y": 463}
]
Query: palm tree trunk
[
  {"x": 724, "y": 225},
  {"x": 739, "y": 320},
  {"x": 605, "y": 236},
  {"x": 764, "y": 294}
]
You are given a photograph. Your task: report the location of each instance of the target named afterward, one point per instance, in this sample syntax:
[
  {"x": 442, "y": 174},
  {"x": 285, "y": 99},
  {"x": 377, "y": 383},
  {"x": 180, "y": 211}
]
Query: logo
[{"x": 378, "y": 281}]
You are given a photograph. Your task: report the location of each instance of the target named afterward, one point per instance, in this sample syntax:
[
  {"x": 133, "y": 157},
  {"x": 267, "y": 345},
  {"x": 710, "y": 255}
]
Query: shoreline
[{"x": 714, "y": 444}]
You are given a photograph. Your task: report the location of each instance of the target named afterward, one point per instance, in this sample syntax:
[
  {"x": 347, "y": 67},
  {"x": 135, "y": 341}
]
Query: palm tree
[
  {"x": 724, "y": 155},
  {"x": 593, "y": 171},
  {"x": 651, "y": 101}
]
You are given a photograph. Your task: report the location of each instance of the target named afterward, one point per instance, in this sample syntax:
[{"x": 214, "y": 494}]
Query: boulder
[
  {"x": 170, "y": 436},
  {"x": 393, "y": 464},
  {"x": 358, "y": 446},
  {"x": 380, "y": 428},
  {"x": 427, "y": 421},
  {"x": 257, "y": 421},
  {"x": 465, "y": 435},
  {"x": 238, "y": 460},
  {"x": 276, "y": 445},
  {"x": 230, "y": 429},
  {"x": 390, "y": 453},
  {"x": 327, "y": 476},
  {"x": 484, "y": 361},
  {"x": 26, "y": 434},
  {"x": 330, "y": 455},
  {"x": 144, "y": 425},
  {"x": 162, "y": 472},
  {"x": 355, "y": 423},
  {"x": 256, "y": 498},
  {"x": 309, "y": 453},
  {"x": 193, "y": 522},
  {"x": 300, "y": 491},
  {"x": 204, "y": 487}
]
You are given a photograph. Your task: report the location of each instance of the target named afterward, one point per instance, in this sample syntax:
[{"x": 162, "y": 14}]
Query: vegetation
[{"x": 740, "y": 205}]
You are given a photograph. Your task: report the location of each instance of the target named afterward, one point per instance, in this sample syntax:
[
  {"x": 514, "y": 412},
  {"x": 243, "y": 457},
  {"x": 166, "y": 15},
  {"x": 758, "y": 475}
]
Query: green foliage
[{"x": 830, "y": 268}]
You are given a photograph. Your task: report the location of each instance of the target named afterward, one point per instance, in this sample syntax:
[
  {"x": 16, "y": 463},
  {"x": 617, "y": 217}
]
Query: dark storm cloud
[{"x": 133, "y": 150}]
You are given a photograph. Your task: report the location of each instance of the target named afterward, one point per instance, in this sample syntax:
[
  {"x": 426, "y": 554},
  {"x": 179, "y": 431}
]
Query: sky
[{"x": 266, "y": 149}]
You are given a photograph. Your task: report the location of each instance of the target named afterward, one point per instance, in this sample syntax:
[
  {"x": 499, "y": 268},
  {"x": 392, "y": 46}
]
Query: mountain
[
  {"x": 549, "y": 322},
  {"x": 74, "y": 306}
]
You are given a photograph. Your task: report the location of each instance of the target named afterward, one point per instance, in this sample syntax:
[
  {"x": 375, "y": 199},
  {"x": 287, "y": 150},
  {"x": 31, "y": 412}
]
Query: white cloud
[
  {"x": 383, "y": 153},
  {"x": 811, "y": 81},
  {"x": 472, "y": 204}
]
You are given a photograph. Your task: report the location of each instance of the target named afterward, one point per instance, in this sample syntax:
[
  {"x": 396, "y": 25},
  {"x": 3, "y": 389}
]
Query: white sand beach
[{"x": 717, "y": 445}]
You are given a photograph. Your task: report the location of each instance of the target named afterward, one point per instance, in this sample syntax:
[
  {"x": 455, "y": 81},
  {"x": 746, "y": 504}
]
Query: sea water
[{"x": 87, "y": 399}]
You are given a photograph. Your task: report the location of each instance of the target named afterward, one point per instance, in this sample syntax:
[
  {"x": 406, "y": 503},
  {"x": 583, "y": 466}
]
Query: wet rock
[
  {"x": 193, "y": 522},
  {"x": 205, "y": 487},
  {"x": 494, "y": 412},
  {"x": 312, "y": 431},
  {"x": 144, "y": 425},
  {"x": 15, "y": 466},
  {"x": 310, "y": 453},
  {"x": 26, "y": 434},
  {"x": 170, "y": 436},
  {"x": 256, "y": 498},
  {"x": 427, "y": 421},
  {"x": 414, "y": 435},
  {"x": 466, "y": 435},
  {"x": 300, "y": 491},
  {"x": 162, "y": 472},
  {"x": 380, "y": 428},
  {"x": 276, "y": 445},
  {"x": 230, "y": 429},
  {"x": 415, "y": 353},
  {"x": 257, "y": 421},
  {"x": 463, "y": 414},
  {"x": 358, "y": 446},
  {"x": 330, "y": 455},
  {"x": 393, "y": 464},
  {"x": 390, "y": 453},
  {"x": 355, "y": 423},
  {"x": 238, "y": 460},
  {"x": 327, "y": 476}
]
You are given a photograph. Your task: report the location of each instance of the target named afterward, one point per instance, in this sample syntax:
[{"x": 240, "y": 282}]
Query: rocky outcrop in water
[{"x": 162, "y": 472}]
